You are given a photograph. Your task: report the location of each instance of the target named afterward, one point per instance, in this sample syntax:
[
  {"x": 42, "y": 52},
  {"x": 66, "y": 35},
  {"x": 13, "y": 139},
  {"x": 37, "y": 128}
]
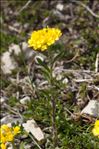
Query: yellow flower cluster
[
  {"x": 7, "y": 134},
  {"x": 95, "y": 130},
  {"x": 43, "y": 38}
]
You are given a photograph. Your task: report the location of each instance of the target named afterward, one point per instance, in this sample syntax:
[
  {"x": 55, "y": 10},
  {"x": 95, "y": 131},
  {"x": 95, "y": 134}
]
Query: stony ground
[{"x": 77, "y": 73}]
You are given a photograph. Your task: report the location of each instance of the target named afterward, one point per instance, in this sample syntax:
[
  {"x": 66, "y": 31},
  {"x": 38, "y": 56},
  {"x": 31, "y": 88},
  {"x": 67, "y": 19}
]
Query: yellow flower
[
  {"x": 16, "y": 130},
  {"x": 43, "y": 38},
  {"x": 97, "y": 123},
  {"x": 7, "y": 133},
  {"x": 95, "y": 130},
  {"x": 2, "y": 138},
  {"x": 3, "y": 146},
  {"x": 9, "y": 137},
  {"x": 5, "y": 128}
]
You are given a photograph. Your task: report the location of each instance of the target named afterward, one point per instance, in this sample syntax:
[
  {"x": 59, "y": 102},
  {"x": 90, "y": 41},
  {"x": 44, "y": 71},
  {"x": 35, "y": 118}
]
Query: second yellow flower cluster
[
  {"x": 96, "y": 129},
  {"x": 7, "y": 134}
]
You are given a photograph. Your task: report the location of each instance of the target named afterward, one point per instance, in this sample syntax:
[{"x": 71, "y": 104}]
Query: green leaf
[
  {"x": 46, "y": 74},
  {"x": 58, "y": 56},
  {"x": 22, "y": 145}
]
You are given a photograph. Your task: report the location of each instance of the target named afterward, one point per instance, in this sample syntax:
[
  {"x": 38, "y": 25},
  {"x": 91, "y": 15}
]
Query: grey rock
[
  {"x": 25, "y": 100},
  {"x": 31, "y": 126},
  {"x": 7, "y": 63},
  {"x": 92, "y": 108},
  {"x": 28, "y": 52},
  {"x": 65, "y": 81},
  {"x": 60, "y": 6},
  {"x": 14, "y": 48},
  {"x": 9, "y": 119},
  {"x": 2, "y": 100}
]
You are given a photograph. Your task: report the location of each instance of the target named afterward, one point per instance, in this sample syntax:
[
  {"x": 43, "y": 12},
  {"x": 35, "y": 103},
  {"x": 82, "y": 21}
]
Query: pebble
[
  {"x": 2, "y": 100},
  {"x": 59, "y": 7},
  {"x": 7, "y": 63},
  {"x": 9, "y": 119},
  {"x": 25, "y": 100},
  {"x": 92, "y": 108},
  {"x": 14, "y": 48},
  {"x": 65, "y": 81},
  {"x": 31, "y": 126},
  {"x": 28, "y": 52}
]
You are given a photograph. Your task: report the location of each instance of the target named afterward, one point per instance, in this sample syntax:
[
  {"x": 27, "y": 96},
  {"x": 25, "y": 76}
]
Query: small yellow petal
[
  {"x": 3, "y": 146},
  {"x": 16, "y": 130},
  {"x": 97, "y": 123}
]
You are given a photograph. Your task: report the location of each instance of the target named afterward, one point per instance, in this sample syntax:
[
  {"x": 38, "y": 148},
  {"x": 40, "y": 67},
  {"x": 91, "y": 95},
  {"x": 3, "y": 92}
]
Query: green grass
[
  {"x": 71, "y": 134},
  {"x": 6, "y": 40}
]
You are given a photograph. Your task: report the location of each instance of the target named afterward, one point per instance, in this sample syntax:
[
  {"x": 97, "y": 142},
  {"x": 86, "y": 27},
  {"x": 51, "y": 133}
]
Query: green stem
[
  {"x": 53, "y": 103},
  {"x": 13, "y": 144},
  {"x": 34, "y": 141},
  {"x": 54, "y": 129}
]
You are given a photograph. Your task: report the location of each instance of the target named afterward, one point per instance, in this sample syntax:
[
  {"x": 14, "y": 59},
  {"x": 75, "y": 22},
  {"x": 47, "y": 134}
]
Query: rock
[
  {"x": 27, "y": 146},
  {"x": 65, "y": 81},
  {"x": 2, "y": 100},
  {"x": 9, "y": 119},
  {"x": 92, "y": 108},
  {"x": 24, "y": 46},
  {"x": 14, "y": 48},
  {"x": 7, "y": 63},
  {"x": 25, "y": 100},
  {"x": 31, "y": 126},
  {"x": 10, "y": 147},
  {"x": 59, "y": 7},
  {"x": 28, "y": 52}
]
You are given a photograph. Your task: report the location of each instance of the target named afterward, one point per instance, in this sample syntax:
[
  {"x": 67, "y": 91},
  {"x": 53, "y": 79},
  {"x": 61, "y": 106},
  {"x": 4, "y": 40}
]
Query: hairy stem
[
  {"x": 54, "y": 129},
  {"x": 53, "y": 104},
  {"x": 13, "y": 144}
]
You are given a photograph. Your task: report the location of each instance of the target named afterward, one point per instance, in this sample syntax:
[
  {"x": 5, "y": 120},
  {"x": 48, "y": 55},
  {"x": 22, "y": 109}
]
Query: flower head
[
  {"x": 43, "y": 38},
  {"x": 95, "y": 130},
  {"x": 7, "y": 134},
  {"x": 16, "y": 130}
]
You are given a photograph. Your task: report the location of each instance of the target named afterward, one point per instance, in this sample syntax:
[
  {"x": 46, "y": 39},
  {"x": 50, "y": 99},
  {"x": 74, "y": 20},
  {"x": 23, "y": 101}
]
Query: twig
[
  {"x": 97, "y": 63},
  {"x": 86, "y": 7},
  {"x": 61, "y": 69},
  {"x": 14, "y": 29},
  {"x": 24, "y": 7},
  {"x": 75, "y": 56},
  {"x": 83, "y": 80},
  {"x": 13, "y": 111},
  {"x": 94, "y": 87},
  {"x": 34, "y": 141},
  {"x": 54, "y": 122},
  {"x": 17, "y": 79},
  {"x": 68, "y": 111}
]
